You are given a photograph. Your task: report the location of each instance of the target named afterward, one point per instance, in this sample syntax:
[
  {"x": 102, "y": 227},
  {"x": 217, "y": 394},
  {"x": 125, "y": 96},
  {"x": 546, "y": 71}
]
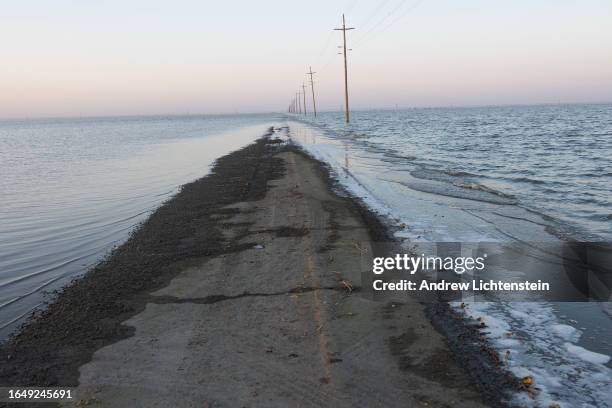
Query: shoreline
[
  {"x": 199, "y": 223},
  {"x": 103, "y": 287},
  {"x": 463, "y": 335},
  {"x": 533, "y": 350}
]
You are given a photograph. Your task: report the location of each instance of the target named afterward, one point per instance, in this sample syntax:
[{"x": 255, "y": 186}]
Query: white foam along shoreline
[{"x": 530, "y": 337}]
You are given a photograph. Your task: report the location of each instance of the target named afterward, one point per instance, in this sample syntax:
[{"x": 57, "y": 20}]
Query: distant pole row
[{"x": 296, "y": 103}]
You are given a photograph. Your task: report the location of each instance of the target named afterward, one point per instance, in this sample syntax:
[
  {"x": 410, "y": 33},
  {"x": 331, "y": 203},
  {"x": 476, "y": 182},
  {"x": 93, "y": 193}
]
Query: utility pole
[
  {"x": 314, "y": 104},
  {"x": 299, "y": 102},
  {"x": 304, "y": 96},
  {"x": 344, "y": 29}
]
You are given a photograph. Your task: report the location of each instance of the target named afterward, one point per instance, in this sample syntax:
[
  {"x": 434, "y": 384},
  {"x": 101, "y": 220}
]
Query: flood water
[
  {"x": 74, "y": 188},
  {"x": 71, "y": 189},
  {"x": 505, "y": 175}
]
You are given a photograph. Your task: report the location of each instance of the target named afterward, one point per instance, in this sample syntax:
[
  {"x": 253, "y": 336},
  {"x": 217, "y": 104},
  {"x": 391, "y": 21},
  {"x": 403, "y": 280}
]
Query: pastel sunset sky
[{"x": 80, "y": 58}]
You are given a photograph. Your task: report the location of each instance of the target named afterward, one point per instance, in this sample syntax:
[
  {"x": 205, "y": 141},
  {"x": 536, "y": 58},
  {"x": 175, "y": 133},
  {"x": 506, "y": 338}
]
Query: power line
[
  {"x": 368, "y": 34},
  {"x": 325, "y": 47},
  {"x": 381, "y": 21},
  {"x": 375, "y": 12},
  {"x": 353, "y": 4},
  {"x": 394, "y": 21}
]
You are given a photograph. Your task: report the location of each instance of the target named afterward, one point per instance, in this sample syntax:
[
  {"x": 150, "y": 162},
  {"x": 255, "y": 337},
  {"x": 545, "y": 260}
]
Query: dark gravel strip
[{"x": 87, "y": 314}]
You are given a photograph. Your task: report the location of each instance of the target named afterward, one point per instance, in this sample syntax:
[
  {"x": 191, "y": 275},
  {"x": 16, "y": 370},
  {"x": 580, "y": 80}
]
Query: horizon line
[{"x": 235, "y": 113}]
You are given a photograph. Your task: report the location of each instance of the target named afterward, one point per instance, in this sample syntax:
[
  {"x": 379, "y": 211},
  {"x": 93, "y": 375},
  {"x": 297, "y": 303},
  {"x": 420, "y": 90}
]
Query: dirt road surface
[{"x": 281, "y": 323}]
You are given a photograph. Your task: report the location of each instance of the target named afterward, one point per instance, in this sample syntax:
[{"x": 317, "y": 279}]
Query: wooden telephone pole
[
  {"x": 304, "y": 96},
  {"x": 314, "y": 104},
  {"x": 344, "y": 29}
]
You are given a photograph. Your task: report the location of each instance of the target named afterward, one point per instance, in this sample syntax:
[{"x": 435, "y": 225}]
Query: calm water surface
[{"x": 73, "y": 188}]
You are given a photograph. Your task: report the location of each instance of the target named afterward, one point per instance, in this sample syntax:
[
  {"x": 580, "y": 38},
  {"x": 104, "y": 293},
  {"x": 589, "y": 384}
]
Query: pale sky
[{"x": 81, "y": 58}]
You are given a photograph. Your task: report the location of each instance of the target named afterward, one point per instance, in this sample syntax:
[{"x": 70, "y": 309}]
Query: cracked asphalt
[
  {"x": 281, "y": 323},
  {"x": 243, "y": 290}
]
